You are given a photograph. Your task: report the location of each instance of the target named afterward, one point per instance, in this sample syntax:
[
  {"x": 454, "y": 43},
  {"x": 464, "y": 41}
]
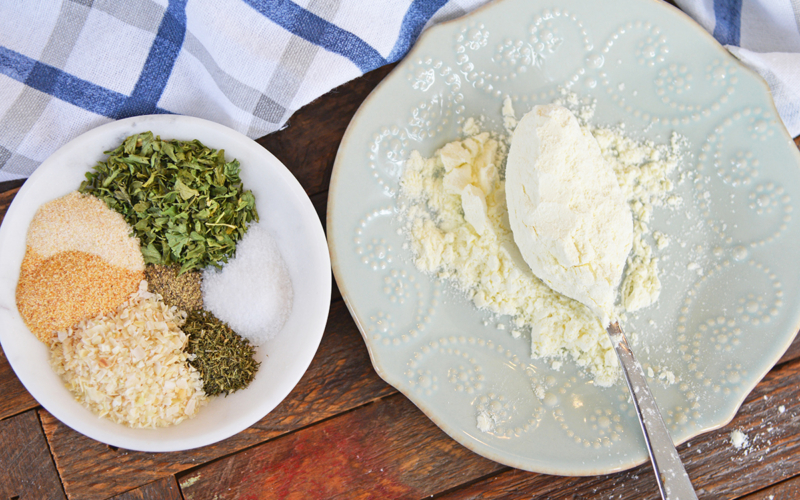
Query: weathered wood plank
[
  {"x": 789, "y": 489},
  {"x": 792, "y": 353},
  {"x": 163, "y": 489},
  {"x": 309, "y": 144},
  {"x": 14, "y": 398},
  {"x": 717, "y": 469},
  {"x": 320, "y": 202},
  {"x": 6, "y": 197},
  {"x": 388, "y": 449},
  {"x": 26, "y": 468},
  {"x": 339, "y": 379}
]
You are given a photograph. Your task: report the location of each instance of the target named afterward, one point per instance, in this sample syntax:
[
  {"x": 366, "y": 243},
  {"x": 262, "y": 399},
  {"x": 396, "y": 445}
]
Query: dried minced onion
[{"x": 129, "y": 366}]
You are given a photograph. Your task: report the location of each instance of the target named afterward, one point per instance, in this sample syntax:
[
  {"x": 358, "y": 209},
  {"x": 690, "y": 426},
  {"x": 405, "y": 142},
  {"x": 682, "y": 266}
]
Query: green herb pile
[
  {"x": 223, "y": 358},
  {"x": 185, "y": 203}
]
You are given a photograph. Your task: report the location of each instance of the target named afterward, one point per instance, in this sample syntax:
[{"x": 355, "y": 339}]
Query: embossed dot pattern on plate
[{"x": 729, "y": 300}]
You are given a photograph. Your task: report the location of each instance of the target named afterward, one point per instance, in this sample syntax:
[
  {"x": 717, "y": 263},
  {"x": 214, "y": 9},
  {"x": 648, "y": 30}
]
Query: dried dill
[
  {"x": 183, "y": 291},
  {"x": 223, "y": 358}
]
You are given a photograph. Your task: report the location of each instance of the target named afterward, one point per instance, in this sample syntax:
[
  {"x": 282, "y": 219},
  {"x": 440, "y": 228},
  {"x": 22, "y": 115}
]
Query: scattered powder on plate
[
  {"x": 84, "y": 223},
  {"x": 455, "y": 214},
  {"x": 56, "y": 292},
  {"x": 253, "y": 292},
  {"x": 130, "y": 366}
]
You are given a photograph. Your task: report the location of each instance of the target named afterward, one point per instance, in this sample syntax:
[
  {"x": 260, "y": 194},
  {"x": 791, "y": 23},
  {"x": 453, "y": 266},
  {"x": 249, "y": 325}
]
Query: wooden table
[{"x": 345, "y": 433}]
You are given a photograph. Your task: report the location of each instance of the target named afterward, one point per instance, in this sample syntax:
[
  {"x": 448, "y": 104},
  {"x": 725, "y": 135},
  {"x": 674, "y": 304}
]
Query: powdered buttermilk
[
  {"x": 569, "y": 217},
  {"x": 454, "y": 210}
]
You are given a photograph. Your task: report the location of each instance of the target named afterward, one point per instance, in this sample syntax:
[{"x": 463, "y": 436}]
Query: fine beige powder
[{"x": 83, "y": 223}]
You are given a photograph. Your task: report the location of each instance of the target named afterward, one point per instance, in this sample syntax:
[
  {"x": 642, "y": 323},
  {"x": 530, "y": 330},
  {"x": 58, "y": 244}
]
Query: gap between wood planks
[
  {"x": 50, "y": 453},
  {"x": 789, "y": 488}
]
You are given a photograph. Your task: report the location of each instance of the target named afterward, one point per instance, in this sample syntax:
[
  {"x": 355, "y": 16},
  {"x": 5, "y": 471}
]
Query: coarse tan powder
[
  {"x": 131, "y": 366},
  {"x": 56, "y": 292},
  {"x": 84, "y": 223}
]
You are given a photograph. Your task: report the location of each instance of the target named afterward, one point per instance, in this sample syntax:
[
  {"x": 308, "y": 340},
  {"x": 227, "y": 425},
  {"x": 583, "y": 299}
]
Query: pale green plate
[{"x": 720, "y": 324}]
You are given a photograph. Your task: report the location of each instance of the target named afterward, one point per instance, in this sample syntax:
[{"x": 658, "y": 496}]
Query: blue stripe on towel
[
  {"x": 62, "y": 85},
  {"x": 417, "y": 15},
  {"x": 159, "y": 64},
  {"x": 312, "y": 28},
  {"x": 14, "y": 65},
  {"x": 728, "y": 15}
]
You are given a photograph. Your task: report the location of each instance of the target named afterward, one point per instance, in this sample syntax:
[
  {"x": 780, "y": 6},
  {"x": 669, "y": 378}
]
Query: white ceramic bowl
[{"x": 283, "y": 207}]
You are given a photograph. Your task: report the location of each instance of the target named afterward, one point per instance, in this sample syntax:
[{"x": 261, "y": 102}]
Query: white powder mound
[
  {"x": 567, "y": 212},
  {"x": 739, "y": 440},
  {"x": 253, "y": 292},
  {"x": 454, "y": 210}
]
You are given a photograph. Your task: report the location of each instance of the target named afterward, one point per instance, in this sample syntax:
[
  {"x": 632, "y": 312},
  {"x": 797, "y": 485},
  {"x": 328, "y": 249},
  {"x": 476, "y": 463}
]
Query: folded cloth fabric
[
  {"x": 764, "y": 35},
  {"x": 67, "y": 67}
]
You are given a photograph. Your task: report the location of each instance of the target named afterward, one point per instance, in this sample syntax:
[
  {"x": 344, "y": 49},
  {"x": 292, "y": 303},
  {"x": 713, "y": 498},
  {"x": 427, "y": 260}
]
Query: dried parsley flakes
[
  {"x": 185, "y": 203},
  {"x": 223, "y": 358}
]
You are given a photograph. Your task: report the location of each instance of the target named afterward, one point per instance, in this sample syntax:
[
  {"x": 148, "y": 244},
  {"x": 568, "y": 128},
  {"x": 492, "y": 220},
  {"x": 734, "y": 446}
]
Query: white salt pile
[{"x": 253, "y": 292}]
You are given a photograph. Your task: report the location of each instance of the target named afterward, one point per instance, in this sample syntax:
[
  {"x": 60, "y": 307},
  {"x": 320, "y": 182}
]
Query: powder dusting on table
[
  {"x": 253, "y": 293},
  {"x": 739, "y": 439}
]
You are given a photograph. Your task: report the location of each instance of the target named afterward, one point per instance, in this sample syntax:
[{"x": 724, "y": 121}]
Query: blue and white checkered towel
[
  {"x": 763, "y": 34},
  {"x": 69, "y": 66}
]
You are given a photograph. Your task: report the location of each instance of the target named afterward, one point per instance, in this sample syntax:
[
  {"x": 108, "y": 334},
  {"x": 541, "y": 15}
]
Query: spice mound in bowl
[
  {"x": 112, "y": 282},
  {"x": 131, "y": 365},
  {"x": 79, "y": 262}
]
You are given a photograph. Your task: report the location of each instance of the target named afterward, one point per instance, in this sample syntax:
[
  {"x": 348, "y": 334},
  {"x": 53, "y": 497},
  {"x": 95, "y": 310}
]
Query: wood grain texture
[
  {"x": 339, "y": 379},
  {"x": 717, "y": 469},
  {"x": 388, "y": 449},
  {"x": 792, "y": 353},
  {"x": 787, "y": 490},
  {"x": 26, "y": 468},
  {"x": 308, "y": 145},
  {"x": 163, "y": 489},
  {"x": 15, "y": 398},
  {"x": 6, "y": 197},
  {"x": 320, "y": 202}
]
